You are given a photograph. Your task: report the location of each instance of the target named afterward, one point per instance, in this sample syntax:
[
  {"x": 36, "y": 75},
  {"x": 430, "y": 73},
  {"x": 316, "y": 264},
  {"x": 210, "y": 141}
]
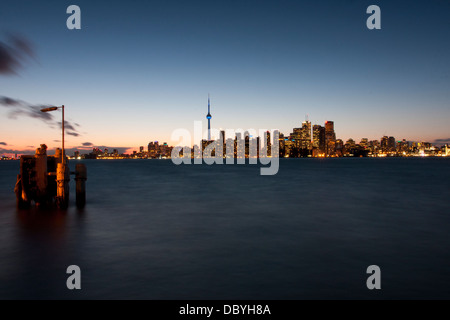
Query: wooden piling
[
  {"x": 41, "y": 175},
  {"x": 62, "y": 180},
  {"x": 80, "y": 178}
]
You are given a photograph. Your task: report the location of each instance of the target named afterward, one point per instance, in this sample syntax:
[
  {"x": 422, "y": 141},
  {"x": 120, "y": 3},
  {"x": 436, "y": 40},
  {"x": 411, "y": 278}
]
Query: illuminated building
[
  {"x": 330, "y": 138},
  {"x": 339, "y": 147},
  {"x": 384, "y": 144},
  {"x": 319, "y": 139},
  {"x": 153, "y": 149},
  {"x": 391, "y": 144},
  {"x": 364, "y": 143},
  {"x": 289, "y": 145},
  {"x": 281, "y": 145},
  {"x": 349, "y": 146},
  {"x": 267, "y": 145},
  {"x": 402, "y": 146},
  {"x": 305, "y": 135},
  {"x": 296, "y": 136}
]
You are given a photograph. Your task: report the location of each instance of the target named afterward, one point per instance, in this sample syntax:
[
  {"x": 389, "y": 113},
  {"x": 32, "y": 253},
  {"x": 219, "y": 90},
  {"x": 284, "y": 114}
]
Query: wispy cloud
[
  {"x": 19, "y": 108},
  {"x": 3, "y": 143},
  {"x": 14, "y": 53},
  {"x": 87, "y": 144}
]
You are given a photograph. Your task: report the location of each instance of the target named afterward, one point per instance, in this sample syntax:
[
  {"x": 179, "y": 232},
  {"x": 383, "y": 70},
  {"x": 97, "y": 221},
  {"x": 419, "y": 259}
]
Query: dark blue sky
[{"x": 137, "y": 70}]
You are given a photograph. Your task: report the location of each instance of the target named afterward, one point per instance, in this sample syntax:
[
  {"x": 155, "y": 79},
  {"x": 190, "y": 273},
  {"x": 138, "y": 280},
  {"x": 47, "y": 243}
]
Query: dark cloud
[
  {"x": 442, "y": 141},
  {"x": 32, "y": 112},
  {"x": 23, "y": 45},
  {"x": 87, "y": 144},
  {"x": 67, "y": 125},
  {"x": 7, "y": 61},
  {"x": 14, "y": 53},
  {"x": 5, "y": 101},
  {"x": 3, "y": 143},
  {"x": 19, "y": 108}
]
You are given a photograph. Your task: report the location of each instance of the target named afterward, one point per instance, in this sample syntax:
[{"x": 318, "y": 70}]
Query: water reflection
[{"x": 36, "y": 222}]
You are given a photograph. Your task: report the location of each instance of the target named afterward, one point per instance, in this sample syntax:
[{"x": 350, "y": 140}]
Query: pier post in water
[
  {"x": 80, "y": 178},
  {"x": 41, "y": 175},
  {"x": 62, "y": 181}
]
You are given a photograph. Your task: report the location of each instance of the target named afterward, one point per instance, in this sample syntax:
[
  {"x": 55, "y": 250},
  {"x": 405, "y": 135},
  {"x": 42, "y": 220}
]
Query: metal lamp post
[
  {"x": 62, "y": 172},
  {"x": 63, "y": 158}
]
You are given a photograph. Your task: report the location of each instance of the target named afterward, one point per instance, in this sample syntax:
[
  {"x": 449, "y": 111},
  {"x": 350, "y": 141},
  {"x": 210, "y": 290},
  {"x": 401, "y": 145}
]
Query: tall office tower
[
  {"x": 392, "y": 146},
  {"x": 268, "y": 145},
  {"x": 305, "y": 135},
  {"x": 247, "y": 143},
  {"x": 296, "y": 136},
  {"x": 330, "y": 137},
  {"x": 209, "y": 116},
  {"x": 281, "y": 145},
  {"x": 319, "y": 138},
  {"x": 384, "y": 144}
]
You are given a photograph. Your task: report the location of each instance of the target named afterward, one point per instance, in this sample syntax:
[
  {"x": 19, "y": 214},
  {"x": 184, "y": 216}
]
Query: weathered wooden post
[
  {"x": 80, "y": 178},
  {"x": 41, "y": 175},
  {"x": 62, "y": 181}
]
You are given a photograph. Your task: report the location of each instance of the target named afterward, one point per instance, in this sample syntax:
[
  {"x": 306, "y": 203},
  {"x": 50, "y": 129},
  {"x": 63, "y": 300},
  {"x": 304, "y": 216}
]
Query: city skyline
[
  {"x": 307, "y": 136},
  {"x": 306, "y": 141},
  {"x": 143, "y": 70}
]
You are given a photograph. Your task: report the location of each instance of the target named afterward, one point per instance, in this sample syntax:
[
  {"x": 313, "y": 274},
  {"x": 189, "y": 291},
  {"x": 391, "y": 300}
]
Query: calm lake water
[{"x": 153, "y": 230}]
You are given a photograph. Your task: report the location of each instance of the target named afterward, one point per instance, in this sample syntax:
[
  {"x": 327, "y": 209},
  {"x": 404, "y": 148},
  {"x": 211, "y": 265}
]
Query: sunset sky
[{"x": 138, "y": 70}]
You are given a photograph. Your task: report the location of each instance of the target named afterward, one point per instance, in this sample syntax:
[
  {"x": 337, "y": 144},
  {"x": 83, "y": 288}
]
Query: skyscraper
[
  {"x": 319, "y": 138},
  {"x": 330, "y": 137},
  {"x": 296, "y": 137},
  {"x": 392, "y": 146},
  {"x": 208, "y": 116},
  {"x": 305, "y": 135},
  {"x": 268, "y": 144},
  {"x": 384, "y": 143}
]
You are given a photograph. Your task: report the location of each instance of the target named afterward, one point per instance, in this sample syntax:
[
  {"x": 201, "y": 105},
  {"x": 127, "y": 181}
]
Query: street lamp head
[{"x": 49, "y": 109}]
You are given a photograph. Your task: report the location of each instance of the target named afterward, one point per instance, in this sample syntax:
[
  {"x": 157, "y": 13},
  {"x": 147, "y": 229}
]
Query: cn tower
[{"x": 208, "y": 116}]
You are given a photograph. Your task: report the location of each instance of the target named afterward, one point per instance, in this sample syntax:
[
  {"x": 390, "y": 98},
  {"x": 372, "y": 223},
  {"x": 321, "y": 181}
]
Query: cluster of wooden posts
[{"x": 45, "y": 179}]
